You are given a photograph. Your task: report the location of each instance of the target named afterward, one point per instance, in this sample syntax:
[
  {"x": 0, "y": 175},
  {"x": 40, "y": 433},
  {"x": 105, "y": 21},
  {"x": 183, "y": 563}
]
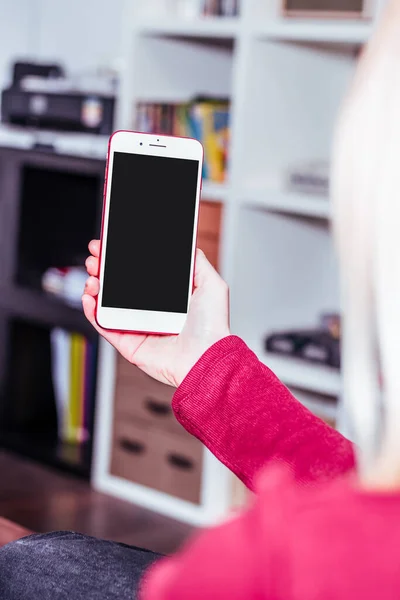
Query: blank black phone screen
[{"x": 150, "y": 233}]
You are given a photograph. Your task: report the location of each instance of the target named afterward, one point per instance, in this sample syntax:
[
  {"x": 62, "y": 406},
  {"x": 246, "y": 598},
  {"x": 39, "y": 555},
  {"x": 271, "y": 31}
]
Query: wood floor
[{"x": 44, "y": 500}]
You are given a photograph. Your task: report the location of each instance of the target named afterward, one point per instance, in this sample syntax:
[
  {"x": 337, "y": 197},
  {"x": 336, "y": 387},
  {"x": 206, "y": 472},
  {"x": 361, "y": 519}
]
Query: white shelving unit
[
  {"x": 286, "y": 79},
  {"x": 218, "y": 28},
  {"x": 290, "y": 203},
  {"x": 315, "y": 31},
  {"x": 299, "y": 375}
]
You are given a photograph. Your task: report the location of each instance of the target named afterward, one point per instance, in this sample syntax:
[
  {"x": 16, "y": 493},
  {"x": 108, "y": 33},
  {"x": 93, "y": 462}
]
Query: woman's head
[{"x": 366, "y": 202}]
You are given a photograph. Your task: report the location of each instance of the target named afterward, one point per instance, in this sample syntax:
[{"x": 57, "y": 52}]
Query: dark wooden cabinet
[{"x": 50, "y": 206}]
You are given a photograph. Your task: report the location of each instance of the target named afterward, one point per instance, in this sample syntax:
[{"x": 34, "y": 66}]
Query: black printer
[{"x": 41, "y": 97}]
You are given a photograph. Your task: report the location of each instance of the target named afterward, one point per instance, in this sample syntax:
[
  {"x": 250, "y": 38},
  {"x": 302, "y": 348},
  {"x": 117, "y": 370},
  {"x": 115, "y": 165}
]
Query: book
[
  {"x": 73, "y": 424},
  {"x": 88, "y": 404},
  {"x": 229, "y": 8},
  {"x": 60, "y": 346},
  {"x": 220, "y": 8},
  {"x": 73, "y": 372},
  {"x": 206, "y": 119}
]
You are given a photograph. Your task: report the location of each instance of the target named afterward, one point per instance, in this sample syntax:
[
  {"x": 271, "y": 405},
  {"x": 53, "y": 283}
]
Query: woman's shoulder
[
  {"x": 333, "y": 537},
  {"x": 277, "y": 484}
]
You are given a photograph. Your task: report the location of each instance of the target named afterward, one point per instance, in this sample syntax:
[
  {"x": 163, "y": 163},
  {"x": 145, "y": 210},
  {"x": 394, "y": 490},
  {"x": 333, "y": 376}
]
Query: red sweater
[{"x": 309, "y": 534}]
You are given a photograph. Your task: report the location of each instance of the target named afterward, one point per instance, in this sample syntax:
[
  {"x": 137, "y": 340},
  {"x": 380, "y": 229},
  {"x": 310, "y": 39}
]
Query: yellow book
[
  {"x": 213, "y": 143},
  {"x": 74, "y": 414}
]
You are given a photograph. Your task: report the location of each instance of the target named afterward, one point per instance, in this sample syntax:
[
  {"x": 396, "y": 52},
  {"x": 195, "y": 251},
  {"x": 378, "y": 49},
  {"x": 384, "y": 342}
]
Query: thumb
[{"x": 204, "y": 271}]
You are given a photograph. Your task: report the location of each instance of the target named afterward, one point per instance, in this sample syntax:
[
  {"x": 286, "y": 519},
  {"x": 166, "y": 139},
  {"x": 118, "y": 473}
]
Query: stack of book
[
  {"x": 190, "y": 9},
  {"x": 204, "y": 119},
  {"x": 221, "y": 8},
  {"x": 73, "y": 373}
]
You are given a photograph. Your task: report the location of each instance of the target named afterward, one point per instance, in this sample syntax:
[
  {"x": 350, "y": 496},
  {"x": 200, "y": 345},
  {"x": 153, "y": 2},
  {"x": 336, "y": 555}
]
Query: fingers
[
  {"x": 89, "y": 307},
  {"x": 92, "y": 265},
  {"x": 92, "y": 262},
  {"x": 94, "y": 248},
  {"x": 92, "y": 286}
]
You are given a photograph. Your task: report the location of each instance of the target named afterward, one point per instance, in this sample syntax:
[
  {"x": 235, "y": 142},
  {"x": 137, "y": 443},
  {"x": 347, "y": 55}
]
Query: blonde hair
[{"x": 366, "y": 205}]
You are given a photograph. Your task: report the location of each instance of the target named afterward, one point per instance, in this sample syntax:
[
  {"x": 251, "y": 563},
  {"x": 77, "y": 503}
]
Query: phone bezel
[{"x": 144, "y": 321}]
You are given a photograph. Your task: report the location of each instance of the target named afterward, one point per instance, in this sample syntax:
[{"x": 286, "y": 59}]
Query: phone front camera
[{"x": 141, "y": 143}]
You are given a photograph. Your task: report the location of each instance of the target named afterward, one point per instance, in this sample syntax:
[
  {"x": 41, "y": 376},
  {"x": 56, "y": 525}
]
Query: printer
[{"x": 42, "y": 97}]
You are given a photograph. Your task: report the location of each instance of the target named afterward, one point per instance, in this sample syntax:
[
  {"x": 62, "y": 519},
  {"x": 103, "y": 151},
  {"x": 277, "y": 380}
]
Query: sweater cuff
[{"x": 203, "y": 373}]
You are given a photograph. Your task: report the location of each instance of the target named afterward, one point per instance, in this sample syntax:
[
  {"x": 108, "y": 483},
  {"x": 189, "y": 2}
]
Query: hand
[{"x": 169, "y": 358}]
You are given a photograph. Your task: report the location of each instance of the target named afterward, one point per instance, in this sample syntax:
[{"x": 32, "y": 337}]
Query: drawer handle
[
  {"x": 181, "y": 462},
  {"x": 131, "y": 446},
  {"x": 157, "y": 408}
]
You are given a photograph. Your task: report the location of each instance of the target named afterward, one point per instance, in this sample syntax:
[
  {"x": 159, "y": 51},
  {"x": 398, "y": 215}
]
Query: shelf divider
[{"x": 39, "y": 307}]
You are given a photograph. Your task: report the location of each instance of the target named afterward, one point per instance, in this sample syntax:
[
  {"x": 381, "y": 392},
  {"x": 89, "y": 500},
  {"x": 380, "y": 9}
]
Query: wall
[
  {"x": 82, "y": 34},
  {"x": 18, "y": 28}
]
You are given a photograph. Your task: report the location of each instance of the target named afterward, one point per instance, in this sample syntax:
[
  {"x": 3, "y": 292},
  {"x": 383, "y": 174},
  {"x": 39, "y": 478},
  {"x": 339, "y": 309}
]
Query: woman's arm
[
  {"x": 228, "y": 399},
  {"x": 241, "y": 411}
]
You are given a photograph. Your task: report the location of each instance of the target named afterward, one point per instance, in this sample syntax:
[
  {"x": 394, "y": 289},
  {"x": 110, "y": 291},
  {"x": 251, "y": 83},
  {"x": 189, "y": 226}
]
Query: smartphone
[{"x": 148, "y": 242}]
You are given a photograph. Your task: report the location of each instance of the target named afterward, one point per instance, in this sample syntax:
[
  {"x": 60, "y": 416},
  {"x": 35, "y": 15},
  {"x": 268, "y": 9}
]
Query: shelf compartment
[
  {"x": 284, "y": 124},
  {"x": 47, "y": 395},
  {"x": 285, "y": 279},
  {"x": 64, "y": 208},
  {"x": 168, "y": 68}
]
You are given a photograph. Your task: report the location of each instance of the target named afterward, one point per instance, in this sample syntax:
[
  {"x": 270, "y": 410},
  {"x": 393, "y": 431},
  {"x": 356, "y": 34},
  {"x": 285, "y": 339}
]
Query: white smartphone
[{"x": 149, "y": 229}]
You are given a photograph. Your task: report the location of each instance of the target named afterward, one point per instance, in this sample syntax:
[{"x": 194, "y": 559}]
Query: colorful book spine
[
  {"x": 73, "y": 420},
  {"x": 89, "y": 387},
  {"x": 74, "y": 371},
  {"x": 197, "y": 131},
  {"x": 217, "y": 143},
  {"x": 61, "y": 351},
  {"x": 222, "y": 8},
  {"x": 204, "y": 119}
]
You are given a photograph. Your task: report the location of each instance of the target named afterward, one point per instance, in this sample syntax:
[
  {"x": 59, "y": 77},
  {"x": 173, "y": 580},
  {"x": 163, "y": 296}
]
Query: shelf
[
  {"x": 217, "y": 192},
  {"x": 206, "y": 28},
  {"x": 306, "y": 205},
  {"x": 336, "y": 31},
  {"x": 42, "y": 308},
  {"x": 304, "y": 30},
  {"x": 72, "y": 458},
  {"x": 301, "y": 374}
]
